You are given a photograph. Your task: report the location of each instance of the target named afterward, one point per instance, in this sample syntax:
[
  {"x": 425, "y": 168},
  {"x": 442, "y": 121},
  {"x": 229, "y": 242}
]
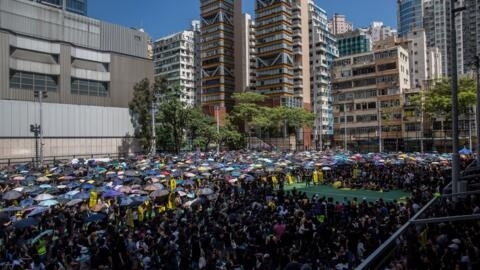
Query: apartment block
[
  {"x": 339, "y": 24},
  {"x": 323, "y": 50},
  {"x": 174, "y": 59},
  {"x": 368, "y": 98}
]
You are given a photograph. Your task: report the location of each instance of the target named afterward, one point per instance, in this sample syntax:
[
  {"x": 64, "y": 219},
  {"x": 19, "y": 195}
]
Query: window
[
  {"x": 89, "y": 87},
  {"x": 33, "y": 81}
]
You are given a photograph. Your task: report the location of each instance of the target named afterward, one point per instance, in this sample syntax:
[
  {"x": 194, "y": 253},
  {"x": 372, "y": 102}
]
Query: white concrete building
[{"x": 174, "y": 59}]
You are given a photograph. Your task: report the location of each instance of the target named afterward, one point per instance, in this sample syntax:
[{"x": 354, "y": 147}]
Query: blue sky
[{"x": 163, "y": 17}]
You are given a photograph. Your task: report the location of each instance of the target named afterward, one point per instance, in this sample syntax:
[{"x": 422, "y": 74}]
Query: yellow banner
[{"x": 93, "y": 199}]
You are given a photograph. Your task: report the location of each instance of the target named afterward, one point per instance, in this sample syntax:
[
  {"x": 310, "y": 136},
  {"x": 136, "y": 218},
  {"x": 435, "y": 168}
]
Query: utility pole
[
  {"x": 455, "y": 140},
  {"x": 379, "y": 113},
  {"x": 477, "y": 109},
  {"x": 345, "y": 127},
  {"x": 217, "y": 118},
  {"x": 154, "y": 134},
  {"x": 35, "y": 129},
  {"x": 40, "y": 95}
]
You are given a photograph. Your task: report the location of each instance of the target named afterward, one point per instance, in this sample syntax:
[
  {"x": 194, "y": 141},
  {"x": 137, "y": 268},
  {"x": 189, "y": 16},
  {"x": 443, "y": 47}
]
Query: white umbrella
[
  {"x": 43, "y": 197},
  {"x": 326, "y": 168},
  {"x": 48, "y": 203}
]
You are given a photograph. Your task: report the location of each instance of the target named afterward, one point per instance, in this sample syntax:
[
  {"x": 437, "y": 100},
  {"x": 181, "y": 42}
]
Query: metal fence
[{"x": 51, "y": 160}]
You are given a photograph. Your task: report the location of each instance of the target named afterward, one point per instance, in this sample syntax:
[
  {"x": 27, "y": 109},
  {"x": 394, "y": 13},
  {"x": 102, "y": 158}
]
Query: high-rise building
[
  {"x": 409, "y": 16},
  {"x": 354, "y": 42},
  {"x": 471, "y": 33},
  {"x": 75, "y": 6},
  {"x": 368, "y": 92},
  {"x": 437, "y": 25},
  {"x": 198, "y": 62},
  {"x": 86, "y": 67},
  {"x": 339, "y": 24},
  {"x": 244, "y": 53},
  {"x": 281, "y": 30},
  {"x": 218, "y": 44},
  {"x": 323, "y": 50},
  {"x": 174, "y": 60},
  {"x": 379, "y": 32}
]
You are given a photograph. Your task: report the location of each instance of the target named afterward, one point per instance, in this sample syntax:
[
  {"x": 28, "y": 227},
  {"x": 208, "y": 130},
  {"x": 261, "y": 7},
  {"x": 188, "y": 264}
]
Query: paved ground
[{"x": 339, "y": 194}]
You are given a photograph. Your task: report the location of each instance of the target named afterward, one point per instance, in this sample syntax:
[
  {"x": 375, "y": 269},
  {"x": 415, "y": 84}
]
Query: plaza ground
[{"x": 338, "y": 193}]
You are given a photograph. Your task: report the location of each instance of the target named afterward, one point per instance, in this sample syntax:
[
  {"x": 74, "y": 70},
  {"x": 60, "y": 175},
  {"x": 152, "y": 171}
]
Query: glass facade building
[
  {"x": 409, "y": 16},
  {"x": 75, "y": 6}
]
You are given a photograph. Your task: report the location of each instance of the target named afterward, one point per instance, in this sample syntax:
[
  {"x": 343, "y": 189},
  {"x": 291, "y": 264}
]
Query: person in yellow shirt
[
  {"x": 315, "y": 177},
  {"x": 289, "y": 178},
  {"x": 173, "y": 184}
]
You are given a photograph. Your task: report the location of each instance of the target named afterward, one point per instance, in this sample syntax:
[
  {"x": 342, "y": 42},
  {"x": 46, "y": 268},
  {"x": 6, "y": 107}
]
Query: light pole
[
  {"x": 345, "y": 127},
  {"x": 35, "y": 129},
  {"x": 379, "y": 116},
  {"x": 477, "y": 109},
  {"x": 455, "y": 141},
  {"x": 40, "y": 94},
  {"x": 154, "y": 135},
  {"x": 217, "y": 118}
]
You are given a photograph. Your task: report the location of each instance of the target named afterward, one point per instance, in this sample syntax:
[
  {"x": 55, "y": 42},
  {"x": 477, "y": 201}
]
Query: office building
[
  {"x": 354, "y": 42},
  {"x": 409, "y": 16},
  {"x": 218, "y": 44},
  {"x": 174, "y": 60},
  {"x": 86, "y": 67},
  {"x": 368, "y": 99},
  {"x": 75, "y": 6},
  {"x": 471, "y": 32},
  {"x": 339, "y": 24},
  {"x": 323, "y": 50},
  {"x": 437, "y": 25}
]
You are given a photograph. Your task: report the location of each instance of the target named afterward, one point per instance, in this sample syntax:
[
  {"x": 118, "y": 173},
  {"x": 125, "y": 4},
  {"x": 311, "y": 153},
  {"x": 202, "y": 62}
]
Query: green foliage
[
  {"x": 140, "y": 113},
  {"x": 438, "y": 101}
]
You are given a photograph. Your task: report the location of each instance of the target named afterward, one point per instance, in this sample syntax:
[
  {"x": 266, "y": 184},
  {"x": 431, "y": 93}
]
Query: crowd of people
[{"x": 248, "y": 222}]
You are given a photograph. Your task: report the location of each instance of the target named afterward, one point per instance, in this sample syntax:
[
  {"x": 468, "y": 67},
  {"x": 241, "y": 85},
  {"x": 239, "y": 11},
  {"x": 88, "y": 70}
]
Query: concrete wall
[{"x": 68, "y": 129}]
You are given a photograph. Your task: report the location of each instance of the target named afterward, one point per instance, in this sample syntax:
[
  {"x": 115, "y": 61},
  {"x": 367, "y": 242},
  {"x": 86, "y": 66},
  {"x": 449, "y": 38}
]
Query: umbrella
[
  {"x": 326, "y": 168},
  {"x": 43, "y": 197},
  {"x": 95, "y": 218},
  {"x": 189, "y": 174},
  {"x": 42, "y": 234},
  {"x": 159, "y": 193},
  {"x": 74, "y": 202},
  {"x": 205, "y": 191},
  {"x": 42, "y": 179},
  {"x": 126, "y": 201},
  {"x": 49, "y": 202},
  {"x": 152, "y": 187},
  {"x": 124, "y": 189},
  {"x": 131, "y": 173},
  {"x": 465, "y": 151},
  {"x": 37, "y": 210},
  {"x": 11, "y": 195},
  {"x": 112, "y": 193},
  {"x": 11, "y": 209},
  {"x": 45, "y": 186},
  {"x": 81, "y": 196},
  {"x": 24, "y": 223}
]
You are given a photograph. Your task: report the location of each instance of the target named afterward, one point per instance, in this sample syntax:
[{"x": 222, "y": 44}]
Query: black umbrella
[
  {"x": 95, "y": 218},
  {"x": 26, "y": 222},
  {"x": 159, "y": 193}
]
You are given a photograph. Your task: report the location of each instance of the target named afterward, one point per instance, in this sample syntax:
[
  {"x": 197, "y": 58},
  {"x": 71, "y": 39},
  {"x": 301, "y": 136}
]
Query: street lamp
[
  {"x": 455, "y": 141},
  {"x": 379, "y": 116},
  {"x": 40, "y": 94},
  {"x": 35, "y": 129},
  {"x": 217, "y": 118}
]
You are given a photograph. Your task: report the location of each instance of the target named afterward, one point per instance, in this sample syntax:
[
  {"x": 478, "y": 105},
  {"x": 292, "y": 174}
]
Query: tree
[
  {"x": 247, "y": 111},
  {"x": 173, "y": 117},
  {"x": 438, "y": 101},
  {"x": 140, "y": 113}
]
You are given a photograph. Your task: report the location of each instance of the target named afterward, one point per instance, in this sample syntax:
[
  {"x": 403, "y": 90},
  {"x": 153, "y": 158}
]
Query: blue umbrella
[
  {"x": 24, "y": 223},
  {"x": 95, "y": 218},
  {"x": 72, "y": 185},
  {"x": 37, "y": 211},
  {"x": 112, "y": 193},
  {"x": 81, "y": 195},
  {"x": 465, "y": 151},
  {"x": 27, "y": 202},
  {"x": 87, "y": 186}
]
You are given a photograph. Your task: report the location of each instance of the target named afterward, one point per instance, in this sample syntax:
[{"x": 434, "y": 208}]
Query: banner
[{"x": 93, "y": 199}]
